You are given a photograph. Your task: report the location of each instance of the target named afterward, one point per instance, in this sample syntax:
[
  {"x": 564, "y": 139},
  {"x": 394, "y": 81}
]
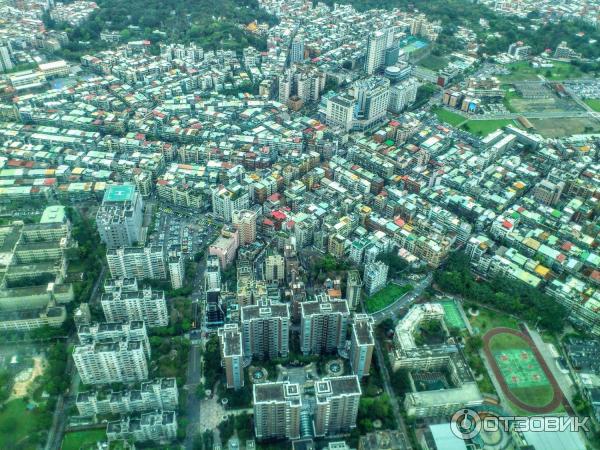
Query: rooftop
[
  {"x": 119, "y": 193},
  {"x": 53, "y": 214},
  {"x": 330, "y": 307}
]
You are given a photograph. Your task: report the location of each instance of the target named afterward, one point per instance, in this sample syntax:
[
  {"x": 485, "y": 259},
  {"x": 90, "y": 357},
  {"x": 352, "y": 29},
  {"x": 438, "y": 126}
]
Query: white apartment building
[
  {"x": 212, "y": 274},
  {"x": 137, "y": 262},
  {"x": 323, "y": 326},
  {"x": 340, "y": 112},
  {"x": 336, "y": 408},
  {"x": 265, "y": 330},
  {"x": 245, "y": 222},
  {"x": 157, "y": 426},
  {"x": 375, "y": 276},
  {"x": 372, "y": 98},
  {"x": 297, "y": 49},
  {"x": 362, "y": 344},
  {"x": 353, "y": 289},
  {"x": 176, "y": 264},
  {"x": 113, "y": 362},
  {"x": 119, "y": 219},
  {"x": 275, "y": 268},
  {"x": 377, "y": 43},
  {"x": 277, "y": 408},
  {"x": 6, "y": 63},
  {"x": 230, "y": 339},
  {"x": 124, "y": 305},
  {"x": 112, "y": 353},
  {"x": 402, "y": 95},
  {"x": 226, "y": 200}
]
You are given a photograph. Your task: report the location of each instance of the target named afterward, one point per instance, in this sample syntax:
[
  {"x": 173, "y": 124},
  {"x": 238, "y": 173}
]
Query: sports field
[
  {"x": 519, "y": 368},
  {"x": 452, "y": 315}
]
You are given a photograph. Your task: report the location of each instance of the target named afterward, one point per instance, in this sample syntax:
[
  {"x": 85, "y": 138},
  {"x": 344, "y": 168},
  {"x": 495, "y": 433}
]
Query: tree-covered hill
[
  {"x": 211, "y": 24},
  {"x": 534, "y": 31}
]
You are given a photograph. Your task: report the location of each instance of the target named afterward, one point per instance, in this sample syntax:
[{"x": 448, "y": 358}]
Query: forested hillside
[
  {"x": 533, "y": 30},
  {"x": 211, "y": 24}
]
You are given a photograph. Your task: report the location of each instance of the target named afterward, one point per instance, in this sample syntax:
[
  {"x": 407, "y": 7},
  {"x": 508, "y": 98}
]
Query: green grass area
[
  {"x": 488, "y": 319},
  {"x": 433, "y": 62},
  {"x": 485, "y": 127},
  {"x": 522, "y": 71},
  {"x": 535, "y": 395},
  {"x": 449, "y": 117},
  {"x": 386, "y": 296},
  {"x": 18, "y": 426},
  {"x": 506, "y": 341},
  {"x": 593, "y": 103},
  {"x": 78, "y": 439}
]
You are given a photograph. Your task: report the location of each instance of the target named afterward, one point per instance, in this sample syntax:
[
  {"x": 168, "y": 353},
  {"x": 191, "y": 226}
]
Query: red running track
[{"x": 557, "y": 399}]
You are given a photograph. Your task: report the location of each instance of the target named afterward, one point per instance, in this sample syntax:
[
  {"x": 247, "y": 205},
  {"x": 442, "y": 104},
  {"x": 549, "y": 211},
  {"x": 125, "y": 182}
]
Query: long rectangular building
[
  {"x": 125, "y": 304},
  {"x": 362, "y": 344},
  {"x": 158, "y": 394}
]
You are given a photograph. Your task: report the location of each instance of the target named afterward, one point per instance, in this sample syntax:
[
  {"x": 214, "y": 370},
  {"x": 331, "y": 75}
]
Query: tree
[
  {"x": 511, "y": 296},
  {"x": 395, "y": 263},
  {"x": 474, "y": 344},
  {"x": 226, "y": 428}
]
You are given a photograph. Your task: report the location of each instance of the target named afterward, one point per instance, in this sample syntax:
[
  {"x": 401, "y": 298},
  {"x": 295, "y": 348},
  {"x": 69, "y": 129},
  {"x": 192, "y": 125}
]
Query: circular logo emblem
[{"x": 465, "y": 424}]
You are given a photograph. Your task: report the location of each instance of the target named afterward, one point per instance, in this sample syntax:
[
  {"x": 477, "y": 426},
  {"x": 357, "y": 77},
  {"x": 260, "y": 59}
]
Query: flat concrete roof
[{"x": 53, "y": 214}]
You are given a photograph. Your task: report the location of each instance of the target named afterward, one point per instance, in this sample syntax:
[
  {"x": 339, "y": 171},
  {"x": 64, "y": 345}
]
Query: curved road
[{"x": 402, "y": 302}]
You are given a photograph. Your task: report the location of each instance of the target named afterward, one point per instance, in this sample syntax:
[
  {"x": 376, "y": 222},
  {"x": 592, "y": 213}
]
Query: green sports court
[
  {"x": 520, "y": 369},
  {"x": 452, "y": 315}
]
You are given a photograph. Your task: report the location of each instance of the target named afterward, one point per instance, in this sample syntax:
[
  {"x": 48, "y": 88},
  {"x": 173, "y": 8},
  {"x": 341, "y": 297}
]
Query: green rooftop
[{"x": 119, "y": 193}]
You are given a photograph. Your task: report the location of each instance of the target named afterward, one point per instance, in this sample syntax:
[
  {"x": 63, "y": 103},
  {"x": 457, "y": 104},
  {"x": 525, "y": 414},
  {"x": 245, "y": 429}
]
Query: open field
[
  {"x": 523, "y": 375},
  {"x": 550, "y": 104},
  {"x": 386, "y": 296},
  {"x": 552, "y": 128},
  {"x": 432, "y": 62},
  {"x": 485, "y": 127},
  {"x": 593, "y": 103},
  {"x": 451, "y": 118},
  {"x": 487, "y": 319},
  {"x": 522, "y": 71},
  {"x": 77, "y": 439},
  {"x": 18, "y": 425}
]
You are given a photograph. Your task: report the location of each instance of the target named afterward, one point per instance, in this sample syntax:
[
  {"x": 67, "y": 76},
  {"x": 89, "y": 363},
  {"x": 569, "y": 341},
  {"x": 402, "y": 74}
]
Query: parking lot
[
  {"x": 585, "y": 88},
  {"x": 192, "y": 232}
]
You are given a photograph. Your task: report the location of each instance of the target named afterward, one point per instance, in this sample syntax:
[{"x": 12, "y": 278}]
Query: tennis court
[
  {"x": 410, "y": 45},
  {"x": 452, "y": 315},
  {"x": 520, "y": 369}
]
